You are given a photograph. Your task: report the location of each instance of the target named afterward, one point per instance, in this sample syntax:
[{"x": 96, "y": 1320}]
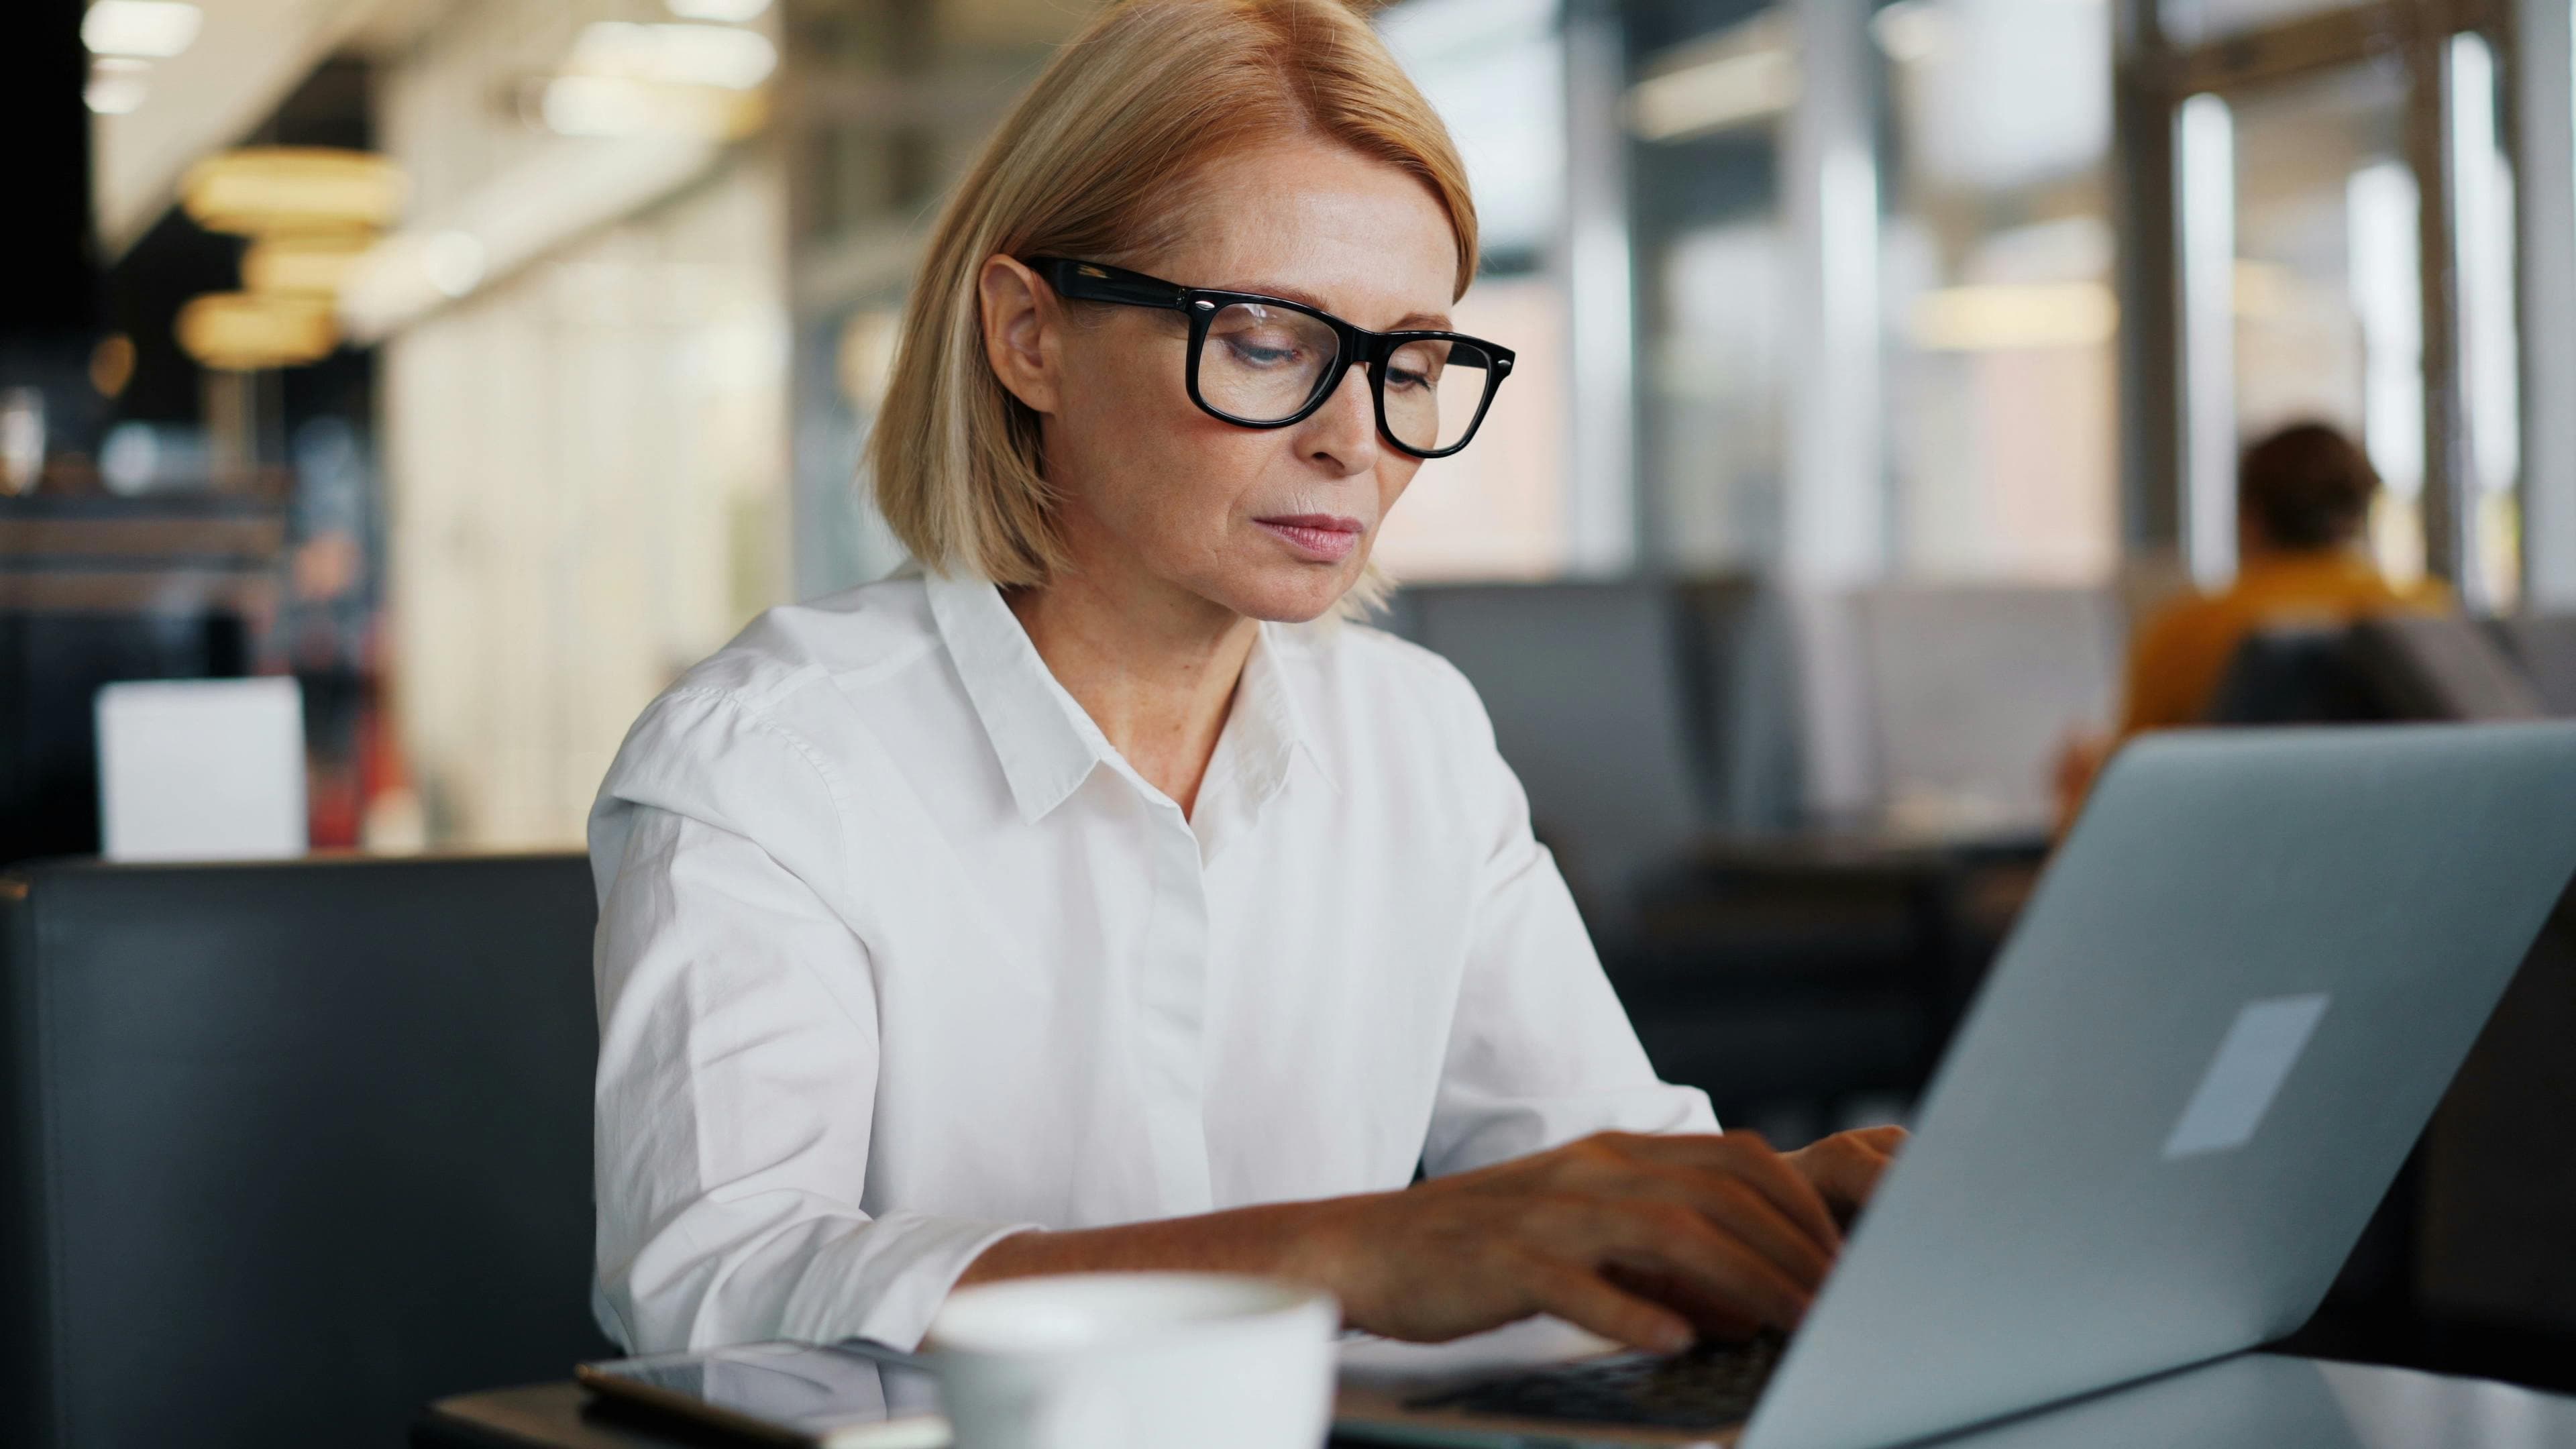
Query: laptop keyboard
[{"x": 1709, "y": 1387}]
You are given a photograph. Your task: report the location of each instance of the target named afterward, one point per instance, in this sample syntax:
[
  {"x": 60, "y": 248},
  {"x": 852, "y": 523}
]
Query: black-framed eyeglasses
[{"x": 1274, "y": 361}]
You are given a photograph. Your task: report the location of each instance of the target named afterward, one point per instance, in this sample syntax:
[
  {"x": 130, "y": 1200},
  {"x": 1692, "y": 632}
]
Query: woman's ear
[{"x": 1020, "y": 320}]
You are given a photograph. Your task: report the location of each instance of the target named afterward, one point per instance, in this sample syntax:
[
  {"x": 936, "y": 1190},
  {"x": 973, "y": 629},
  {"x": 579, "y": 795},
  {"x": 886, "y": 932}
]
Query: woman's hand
[
  {"x": 1845, "y": 1167},
  {"x": 1647, "y": 1240}
]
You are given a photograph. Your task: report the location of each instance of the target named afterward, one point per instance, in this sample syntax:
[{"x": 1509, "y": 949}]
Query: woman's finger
[
  {"x": 1585, "y": 1299},
  {"x": 1670, "y": 1238},
  {"x": 1737, "y": 1208},
  {"x": 1748, "y": 1157},
  {"x": 1845, "y": 1171},
  {"x": 1714, "y": 1317}
]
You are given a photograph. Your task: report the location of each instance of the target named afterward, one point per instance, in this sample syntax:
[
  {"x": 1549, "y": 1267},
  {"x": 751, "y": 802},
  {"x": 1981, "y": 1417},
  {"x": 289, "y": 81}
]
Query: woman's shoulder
[
  {"x": 760, "y": 705},
  {"x": 862, "y": 631}
]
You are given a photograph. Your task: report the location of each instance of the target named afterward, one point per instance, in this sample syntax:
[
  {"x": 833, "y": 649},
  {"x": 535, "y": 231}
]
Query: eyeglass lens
[
  {"x": 1433, "y": 387},
  {"x": 1263, "y": 364}
]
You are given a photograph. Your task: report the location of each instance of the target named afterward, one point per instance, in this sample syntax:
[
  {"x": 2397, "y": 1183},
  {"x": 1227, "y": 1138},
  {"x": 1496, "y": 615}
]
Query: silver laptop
[{"x": 2223, "y": 1019}]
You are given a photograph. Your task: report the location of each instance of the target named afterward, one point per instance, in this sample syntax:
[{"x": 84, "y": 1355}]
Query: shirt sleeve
[
  {"x": 1540, "y": 1051},
  {"x": 738, "y": 1056}
]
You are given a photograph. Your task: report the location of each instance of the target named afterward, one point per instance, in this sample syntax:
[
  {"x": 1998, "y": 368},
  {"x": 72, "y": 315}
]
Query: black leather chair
[
  {"x": 291, "y": 1148},
  {"x": 1647, "y": 721},
  {"x": 2296, "y": 676},
  {"x": 1584, "y": 684},
  {"x": 2546, "y": 646},
  {"x": 2441, "y": 667},
  {"x": 2399, "y": 667}
]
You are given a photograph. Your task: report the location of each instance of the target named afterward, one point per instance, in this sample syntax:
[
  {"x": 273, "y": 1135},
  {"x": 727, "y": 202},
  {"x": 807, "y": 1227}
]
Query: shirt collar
[
  {"x": 1270, "y": 725},
  {"x": 1046, "y": 742}
]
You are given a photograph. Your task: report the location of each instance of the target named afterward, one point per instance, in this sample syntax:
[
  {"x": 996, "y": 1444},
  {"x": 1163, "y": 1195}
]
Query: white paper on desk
[
  {"x": 1376, "y": 1362},
  {"x": 201, "y": 769}
]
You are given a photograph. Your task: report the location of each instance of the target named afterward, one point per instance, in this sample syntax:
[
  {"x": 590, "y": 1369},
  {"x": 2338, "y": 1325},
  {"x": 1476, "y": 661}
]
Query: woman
[{"x": 1096, "y": 900}]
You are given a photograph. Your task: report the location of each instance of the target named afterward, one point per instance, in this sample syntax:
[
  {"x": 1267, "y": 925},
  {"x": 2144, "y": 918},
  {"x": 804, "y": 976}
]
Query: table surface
[{"x": 2251, "y": 1401}]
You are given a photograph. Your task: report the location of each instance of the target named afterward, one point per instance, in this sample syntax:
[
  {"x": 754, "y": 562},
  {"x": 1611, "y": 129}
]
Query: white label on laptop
[{"x": 2246, "y": 1075}]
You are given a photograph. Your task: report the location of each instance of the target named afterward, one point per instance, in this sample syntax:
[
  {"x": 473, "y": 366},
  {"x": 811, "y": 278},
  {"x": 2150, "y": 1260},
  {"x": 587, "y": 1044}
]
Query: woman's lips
[{"x": 1323, "y": 537}]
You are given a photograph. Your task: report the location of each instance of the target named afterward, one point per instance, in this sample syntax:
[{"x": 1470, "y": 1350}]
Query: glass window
[
  {"x": 2323, "y": 291},
  {"x": 1495, "y": 70},
  {"x": 1713, "y": 279},
  {"x": 2491, "y": 371},
  {"x": 2189, "y": 22},
  {"x": 2003, "y": 393}
]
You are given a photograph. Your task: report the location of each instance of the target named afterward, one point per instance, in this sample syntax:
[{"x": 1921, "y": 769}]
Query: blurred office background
[
  {"x": 489, "y": 362},
  {"x": 477, "y": 365}
]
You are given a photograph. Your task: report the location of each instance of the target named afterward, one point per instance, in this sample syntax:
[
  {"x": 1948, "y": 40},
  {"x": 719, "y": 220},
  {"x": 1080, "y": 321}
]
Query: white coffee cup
[{"x": 1137, "y": 1361}]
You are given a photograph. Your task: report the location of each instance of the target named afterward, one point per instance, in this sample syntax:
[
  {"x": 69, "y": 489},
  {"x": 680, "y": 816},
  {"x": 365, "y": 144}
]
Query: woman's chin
[{"x": 1291, "y": 596}]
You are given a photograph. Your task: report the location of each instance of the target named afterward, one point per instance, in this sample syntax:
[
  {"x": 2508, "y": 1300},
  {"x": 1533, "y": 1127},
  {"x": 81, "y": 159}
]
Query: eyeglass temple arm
[{"x": 1094, "y": 282}]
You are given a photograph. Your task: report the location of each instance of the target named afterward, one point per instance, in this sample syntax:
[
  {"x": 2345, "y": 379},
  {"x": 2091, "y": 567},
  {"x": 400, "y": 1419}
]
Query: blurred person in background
[
  {"x": 2303, "y": 499},
  {"x": 1098, "y": 897}
]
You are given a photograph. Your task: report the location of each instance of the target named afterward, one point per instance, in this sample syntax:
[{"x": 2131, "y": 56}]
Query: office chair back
[
  {"x": 1741, "y": 695},
  {"x": 2442, "y": 667},
  {"x": 296, "y": 1147},
  {"x": 1973, "y": 689},
  {"x": 1584, "y": 684},
  {"x": 2375, "y": 670},
  {"x": 2545, "y": 644},
  {"x": 2296, "y": 675}
]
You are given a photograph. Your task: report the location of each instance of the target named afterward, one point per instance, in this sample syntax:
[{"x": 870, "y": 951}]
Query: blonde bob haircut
[{"x": 1096, "y": 162}]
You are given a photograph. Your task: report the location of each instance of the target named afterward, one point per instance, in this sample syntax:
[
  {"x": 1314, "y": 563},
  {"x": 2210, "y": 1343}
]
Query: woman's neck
[{"x": 1153, "y": 666}]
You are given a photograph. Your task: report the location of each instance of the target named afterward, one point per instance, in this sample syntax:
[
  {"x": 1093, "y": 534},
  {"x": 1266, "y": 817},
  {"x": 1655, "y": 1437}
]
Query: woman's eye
[
  {"x": 1256, "y": 351},
  {"x": 1405, "y": 379}
]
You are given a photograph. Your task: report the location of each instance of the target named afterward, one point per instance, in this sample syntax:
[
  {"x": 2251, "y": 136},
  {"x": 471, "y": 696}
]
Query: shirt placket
[{"x": 1172, "y": 1009}]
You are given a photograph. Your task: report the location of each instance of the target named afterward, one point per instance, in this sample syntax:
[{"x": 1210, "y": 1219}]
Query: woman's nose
[{"x": 1343, "y": 432}]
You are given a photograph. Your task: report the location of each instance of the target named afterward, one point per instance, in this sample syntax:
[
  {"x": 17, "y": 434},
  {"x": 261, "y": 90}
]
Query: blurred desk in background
[
  {"x": 2252, "y": 1401},
  {"x": 1810, "y": 980}
]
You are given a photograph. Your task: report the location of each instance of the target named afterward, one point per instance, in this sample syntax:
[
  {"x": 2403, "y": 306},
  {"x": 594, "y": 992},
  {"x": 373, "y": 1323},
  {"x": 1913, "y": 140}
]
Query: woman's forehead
[{"x": 1321, "y": 225}]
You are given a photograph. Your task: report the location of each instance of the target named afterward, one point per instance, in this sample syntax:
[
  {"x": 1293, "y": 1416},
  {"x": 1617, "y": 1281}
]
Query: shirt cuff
[{"x": 886, "y": 1281}]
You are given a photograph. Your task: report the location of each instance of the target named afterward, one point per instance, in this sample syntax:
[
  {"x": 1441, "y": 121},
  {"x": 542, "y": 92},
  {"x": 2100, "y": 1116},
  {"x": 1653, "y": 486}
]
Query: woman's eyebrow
[{"x": 1428, "y": 321}]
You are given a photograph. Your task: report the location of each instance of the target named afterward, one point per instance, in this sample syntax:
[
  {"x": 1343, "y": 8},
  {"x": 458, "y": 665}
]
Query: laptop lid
[{"x": 2222, "y": 1021}]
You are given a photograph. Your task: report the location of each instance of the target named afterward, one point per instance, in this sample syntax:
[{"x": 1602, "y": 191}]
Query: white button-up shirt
[{"x": 897, "y": 955}]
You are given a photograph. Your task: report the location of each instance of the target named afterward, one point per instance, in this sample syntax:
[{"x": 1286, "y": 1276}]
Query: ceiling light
[
  {"x": 2265, "y": 290},
  {"x": 1911, "y": 31},
  {"x": 111, "y": 364},
  {"x": 1998, "y": 318},
  {"x": 265, "y": 189},
  {"x": 151, "y": 29},
  {"x": 305, "y": 266},
  {"x": 733, "y": 11},
  {"x": 244, "y": 332},
  {"x": 704, "y": 55},
  {"x": 1743, "y": 75},
  {"x": 1716, "y": 94},
  {"x": 454, "y": 262},
  {"x": 589, "y": 105},
  {"x": 116, "y": 87}
]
